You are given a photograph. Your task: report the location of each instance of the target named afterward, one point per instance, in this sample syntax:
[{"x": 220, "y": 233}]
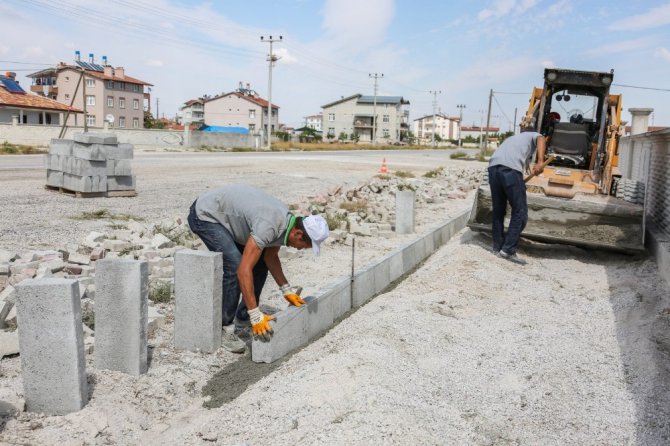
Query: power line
[{"x": 641, "y": 88}]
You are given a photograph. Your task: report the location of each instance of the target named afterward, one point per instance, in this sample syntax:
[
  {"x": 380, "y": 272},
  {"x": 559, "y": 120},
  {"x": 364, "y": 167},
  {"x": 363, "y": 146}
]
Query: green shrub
[{"x": 160, "y": 292}]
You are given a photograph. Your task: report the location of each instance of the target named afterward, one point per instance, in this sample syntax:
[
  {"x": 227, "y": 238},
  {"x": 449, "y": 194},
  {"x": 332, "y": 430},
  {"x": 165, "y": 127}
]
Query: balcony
[
  {"x": 363, "y": 121},
  {"x": 40, "y": 90}
]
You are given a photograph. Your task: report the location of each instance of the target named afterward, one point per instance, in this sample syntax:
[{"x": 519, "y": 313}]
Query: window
[
  {"x": 90, "y": 82},
  {"x": 90, "y": 99},
  {"x": 110, "y": 101},
  {"x": 120, "y": 86},
  {"x": 122, "y": 102},
  {"x": 331, "y": 132},
  {"x": 136, "y": 123},
  {"x": 252, "y": 128},
  {"x": 136, "y": 104},
  {"x": 331, "y": 117},
  {"x": 385, "y": 118},
  {"x": 90, "y": 119},
  {"x": 252, "y": 115},
  {"x": 136, "y": 88},
  {"x": 122, "y": 121},
  {"x": 110, "y": 85},
  {"x": 67, "y": 96},
  {"x": 386, "y": 133}
]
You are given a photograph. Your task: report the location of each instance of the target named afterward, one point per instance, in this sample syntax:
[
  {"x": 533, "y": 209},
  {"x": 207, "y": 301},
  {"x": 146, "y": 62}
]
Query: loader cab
[{"x": 574, "y": 115}]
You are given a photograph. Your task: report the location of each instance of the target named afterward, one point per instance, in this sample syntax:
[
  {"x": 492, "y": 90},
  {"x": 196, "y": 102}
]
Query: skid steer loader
[{"x": 580, "y": 198}]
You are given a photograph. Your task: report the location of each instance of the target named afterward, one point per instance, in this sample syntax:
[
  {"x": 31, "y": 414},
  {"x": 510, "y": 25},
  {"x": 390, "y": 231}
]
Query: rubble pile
[{"x": 365, "y": 210}]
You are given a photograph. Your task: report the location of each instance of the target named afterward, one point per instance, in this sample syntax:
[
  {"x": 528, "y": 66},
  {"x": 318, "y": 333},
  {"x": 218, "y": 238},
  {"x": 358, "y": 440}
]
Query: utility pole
[
  {"x": 374, "y": 108},
  {"x": 434, "y": 93},
  {"x": 460, "y": 120},
  {"x": 514, "y": 126},
  {"x": 271, "y": 61},
  {"x": 488, "y": 122},
  {"x": 157, "y": 115}
]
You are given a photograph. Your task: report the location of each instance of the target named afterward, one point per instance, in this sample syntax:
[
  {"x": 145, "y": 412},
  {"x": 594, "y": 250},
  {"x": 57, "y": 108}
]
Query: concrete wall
[
  {"x": 646, "y": 158},
  {"x": 40, "y": 135}
]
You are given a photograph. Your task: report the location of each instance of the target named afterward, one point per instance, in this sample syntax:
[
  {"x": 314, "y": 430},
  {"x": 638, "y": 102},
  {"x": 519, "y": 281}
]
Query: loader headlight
[
  {"x": 606, "y": 80},
  {"x": 551, "y": 76}
]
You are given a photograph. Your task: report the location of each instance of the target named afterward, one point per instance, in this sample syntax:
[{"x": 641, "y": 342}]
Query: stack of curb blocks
[{"x": 90, "y": 163}]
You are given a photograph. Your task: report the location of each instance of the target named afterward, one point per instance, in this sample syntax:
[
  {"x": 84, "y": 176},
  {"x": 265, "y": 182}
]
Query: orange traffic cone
[{"x": 384, "y": 169}]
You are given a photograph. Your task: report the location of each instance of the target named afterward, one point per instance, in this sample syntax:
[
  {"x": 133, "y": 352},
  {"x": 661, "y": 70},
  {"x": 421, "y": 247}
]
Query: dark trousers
[
  {"x": 218, "y": 239},
  {"x": 507, "y": 186}
]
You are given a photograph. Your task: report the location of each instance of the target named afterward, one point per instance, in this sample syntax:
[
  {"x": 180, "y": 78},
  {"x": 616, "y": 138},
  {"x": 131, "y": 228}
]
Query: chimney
[
  {"x": 91, "y": 58},
  {"x": 120, "y": 72},
  {"x": 104, "y": 61},
  {"x": 240, "y": 86},
  {"x": 108, "y": 70},
  {"x": 77, "y": 55}
]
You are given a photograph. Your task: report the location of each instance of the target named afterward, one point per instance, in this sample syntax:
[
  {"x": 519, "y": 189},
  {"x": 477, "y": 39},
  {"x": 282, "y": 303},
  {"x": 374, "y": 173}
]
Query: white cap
[{"x": 317, "y": 229}]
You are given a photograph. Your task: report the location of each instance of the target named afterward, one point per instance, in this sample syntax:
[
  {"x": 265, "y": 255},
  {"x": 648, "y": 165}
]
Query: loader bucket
[{"x": 590, "y": 221}]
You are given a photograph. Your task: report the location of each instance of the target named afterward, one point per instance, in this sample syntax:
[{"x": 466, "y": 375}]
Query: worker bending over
[{"x": 248, "y": 227}]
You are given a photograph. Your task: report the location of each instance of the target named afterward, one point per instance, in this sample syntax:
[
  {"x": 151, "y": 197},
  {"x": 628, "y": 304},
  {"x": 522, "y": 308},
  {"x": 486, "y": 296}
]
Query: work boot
[
  {"x": 230, "y": 341},
  {"x": 512, "y": 258},
  {"x": 243, "y": 328}
]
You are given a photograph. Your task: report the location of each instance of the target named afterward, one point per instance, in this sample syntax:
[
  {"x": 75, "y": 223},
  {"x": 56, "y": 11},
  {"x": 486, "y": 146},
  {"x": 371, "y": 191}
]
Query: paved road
[{"x": 396, "y": 159}]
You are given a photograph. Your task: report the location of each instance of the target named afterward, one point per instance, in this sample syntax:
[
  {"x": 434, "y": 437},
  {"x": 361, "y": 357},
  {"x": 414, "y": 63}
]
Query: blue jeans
[
  {"x": 507, "y": 186},
  {"x": 218, "y": 239}
]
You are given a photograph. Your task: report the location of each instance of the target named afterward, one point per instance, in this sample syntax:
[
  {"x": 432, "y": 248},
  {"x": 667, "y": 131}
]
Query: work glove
[
  {"x": 260, "y": 324},
  {"x": 292, "y": 294}
]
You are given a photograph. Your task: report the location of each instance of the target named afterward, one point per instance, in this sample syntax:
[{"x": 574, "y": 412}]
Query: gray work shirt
[
  {"x": 245, "y": 211},
  {"x": 516, "y": 152}
]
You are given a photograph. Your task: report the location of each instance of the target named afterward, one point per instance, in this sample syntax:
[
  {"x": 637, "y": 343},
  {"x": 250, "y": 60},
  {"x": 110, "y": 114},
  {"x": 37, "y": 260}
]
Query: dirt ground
[{"x": 469, "y": 349}]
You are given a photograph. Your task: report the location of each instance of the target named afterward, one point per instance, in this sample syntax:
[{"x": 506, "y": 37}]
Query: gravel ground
[{"x": 469, "y": 349}]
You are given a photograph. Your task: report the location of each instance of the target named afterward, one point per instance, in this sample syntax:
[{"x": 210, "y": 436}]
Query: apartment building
[
  {"x": 445, "y": 127},
  {"x": 354, "y": 115},
  {"x": 241, "y": 108},
  {"x": 193, "y": 111},
  {"x": 104, "y": 92},
  {"x": 314, "y": 122}
]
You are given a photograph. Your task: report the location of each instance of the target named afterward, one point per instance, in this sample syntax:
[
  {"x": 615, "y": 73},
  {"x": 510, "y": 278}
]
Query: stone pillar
[
  {"x": 640, "y": 120},
  {"x": 187, "y": 134},
  {"x": 197, "y": 289},
  {"x": 15, "y": 120},
  {"x": 121, "y": 315},
  {"x": 51, "y": 338},
  {"x": 404, "y": 211}
]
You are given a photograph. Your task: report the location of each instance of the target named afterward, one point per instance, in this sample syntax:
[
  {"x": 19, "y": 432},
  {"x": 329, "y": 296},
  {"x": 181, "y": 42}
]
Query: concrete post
[
  {"x": 404, "y": 211},
  {"x": 121, "y": 315},
  {"x": 640, "y": 120},
  {"x": 15, "y": 120},
  {"x": 198, "y": 296},
  {"x": 51, "y": 338}
]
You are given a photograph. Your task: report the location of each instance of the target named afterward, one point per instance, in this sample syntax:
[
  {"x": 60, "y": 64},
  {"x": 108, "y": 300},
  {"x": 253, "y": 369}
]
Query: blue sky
[{"x": 460, "y": 48}]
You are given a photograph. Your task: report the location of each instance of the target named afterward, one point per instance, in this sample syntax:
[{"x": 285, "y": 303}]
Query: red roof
[
  {"x": 102, "y": 75},
  {"x": 255, "y": 99},
  {"x": 25, "y": 100}
]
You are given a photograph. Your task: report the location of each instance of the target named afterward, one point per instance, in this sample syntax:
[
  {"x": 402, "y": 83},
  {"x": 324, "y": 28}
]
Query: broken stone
[
  {"x": 97, "y": 253},
  {"x": 9, "y": 343},
  {"x": 116, "y": 245},
  {"x": 7, "y": 256},
  {"x": 74, "y": 270},
  {"x": 79, "y": 259}
]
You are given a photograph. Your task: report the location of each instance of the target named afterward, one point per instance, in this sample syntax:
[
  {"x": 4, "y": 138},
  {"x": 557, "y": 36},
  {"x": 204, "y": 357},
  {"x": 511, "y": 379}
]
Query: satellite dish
[{"x": 110, "y": 118}]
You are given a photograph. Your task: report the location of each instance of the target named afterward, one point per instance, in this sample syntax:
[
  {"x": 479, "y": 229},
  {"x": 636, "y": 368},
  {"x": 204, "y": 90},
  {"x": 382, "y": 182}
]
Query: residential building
[
  {"x": 193, "y": 111},
  {"x": 104, "y": 92},
  {"x": 19, "y": 107},
  {"x": 476, "y": 131},
  {"x": 353, "y": 115},
  {"x": 241, "y": 108},
  {"x": 314, "y": 122},
  {"x": 445, "y": 127}
]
